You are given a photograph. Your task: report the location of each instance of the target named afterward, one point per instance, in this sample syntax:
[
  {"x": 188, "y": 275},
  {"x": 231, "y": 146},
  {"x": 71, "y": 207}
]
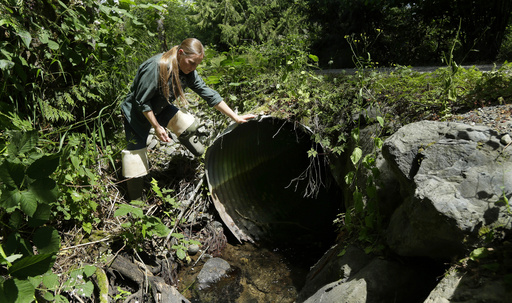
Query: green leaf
[
  {"x": 156, "y": 188},
  {"x": 16, "y": 219},
  {"x": 355, "y": 134},
  {"x": 313, "y": 57},
  {"x": 356, "y": 155},
  {"x": 51, "y": 281},
  {"x": 31, "y": 266},
  {"x": 86, "y": 289},
  {"x": 16, "y": 244},
  {"x": 381, "y": 121},
  {"x": 358, "y": 201},
  {"x": 44, "y": 190},
  {"x": 87, "y": 227},
  {"x": 6, "y": 64},
  {"x": 41, "y": 216},
  {"x": 478, "y": 253},
  {"x": 125, "y": 209},
  {"x": 157, "y": 227},
  {"x": 44, "y": 166},
  {"x": 378, "y": 142},
  {"x": 349, "y": 177},
  {"x": 22, "y": 142},
  {"x": 89, "y": 270},
  {"x": 25, "y": 291},
  {"x": 8, "y": 291},
  {"x": 368, "y": 161},
  {"x": 12, "y": 173},
  {"x": 25, "y": 37},
  {"x": 180, "y": 252},
  {"x": 178, "y": 235},
  {"x": 47, "y": 240},
  {"x": 28, "y": 202}
]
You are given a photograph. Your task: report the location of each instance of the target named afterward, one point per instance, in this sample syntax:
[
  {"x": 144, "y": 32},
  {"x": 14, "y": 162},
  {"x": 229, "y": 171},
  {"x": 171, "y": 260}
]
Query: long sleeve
[{"x": 196, "y": 83}]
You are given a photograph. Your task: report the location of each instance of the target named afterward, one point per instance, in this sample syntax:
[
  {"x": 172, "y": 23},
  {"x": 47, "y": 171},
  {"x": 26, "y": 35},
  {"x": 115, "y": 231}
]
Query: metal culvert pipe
[{"x": 266, "y": 188}]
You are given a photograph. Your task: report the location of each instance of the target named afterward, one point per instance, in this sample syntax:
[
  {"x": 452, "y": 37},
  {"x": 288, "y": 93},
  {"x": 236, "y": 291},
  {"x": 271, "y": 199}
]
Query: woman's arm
[
  {"x": 226, "y": 110},
  {"x": 160, "y": 131}
]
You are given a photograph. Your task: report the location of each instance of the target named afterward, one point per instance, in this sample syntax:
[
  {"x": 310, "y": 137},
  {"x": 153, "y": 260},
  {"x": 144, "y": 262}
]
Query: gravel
[{"x": 497, "y": 117}]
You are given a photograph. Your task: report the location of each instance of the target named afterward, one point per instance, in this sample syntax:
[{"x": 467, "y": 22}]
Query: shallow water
[{"x": 258, "y": 274}]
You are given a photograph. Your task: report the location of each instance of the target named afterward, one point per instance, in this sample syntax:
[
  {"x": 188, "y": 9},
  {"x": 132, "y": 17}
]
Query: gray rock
[
  {"x": 454, "y": 178},
  {"x": 193, "y": 249},
  {"x": 213, "y": 270},
  {"x": 459, "y": 287},
  {"x": 380, "y": 281},
  {"x": 505, "y": 139},
  {"x": 332, "y": 267}
]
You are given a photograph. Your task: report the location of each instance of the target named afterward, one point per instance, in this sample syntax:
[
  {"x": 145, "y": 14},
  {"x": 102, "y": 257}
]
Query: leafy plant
[
  {"x": 139, "y": 226},
  {"x": 25, "y": 203},
  {"x": 74, "y": 284}
]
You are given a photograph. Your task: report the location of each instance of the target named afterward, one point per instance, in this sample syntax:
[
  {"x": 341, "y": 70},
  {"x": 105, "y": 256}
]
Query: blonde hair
[{"x": 169, "y": 69}]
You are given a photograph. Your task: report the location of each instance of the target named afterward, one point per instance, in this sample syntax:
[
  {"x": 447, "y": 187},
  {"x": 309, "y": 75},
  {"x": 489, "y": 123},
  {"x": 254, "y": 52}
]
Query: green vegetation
[{"x": 66, "y": 66}]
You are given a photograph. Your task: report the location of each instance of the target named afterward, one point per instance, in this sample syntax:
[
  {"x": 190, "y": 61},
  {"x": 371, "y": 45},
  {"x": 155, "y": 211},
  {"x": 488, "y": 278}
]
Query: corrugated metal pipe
[{"x": 265, "y": 186}]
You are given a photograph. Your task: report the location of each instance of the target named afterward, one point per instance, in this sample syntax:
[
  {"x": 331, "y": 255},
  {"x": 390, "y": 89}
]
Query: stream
[{"x": 257, "y": 274}]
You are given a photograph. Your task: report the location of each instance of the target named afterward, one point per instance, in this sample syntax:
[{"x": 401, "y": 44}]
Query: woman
[{"x": 158, "y": 83}]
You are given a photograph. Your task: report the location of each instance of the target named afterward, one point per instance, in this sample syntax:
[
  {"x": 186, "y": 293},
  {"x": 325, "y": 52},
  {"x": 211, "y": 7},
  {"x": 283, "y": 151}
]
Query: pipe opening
[{"x": 266, "y": 188}]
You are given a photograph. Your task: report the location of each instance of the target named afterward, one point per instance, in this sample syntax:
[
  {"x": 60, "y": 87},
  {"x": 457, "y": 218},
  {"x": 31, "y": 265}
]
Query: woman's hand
[
  {"x": 244, "y": 118},
  {"x": 226, "y": 110},
  {"x": 161, "y": 134},
  {"x": 160, "y": 131}
]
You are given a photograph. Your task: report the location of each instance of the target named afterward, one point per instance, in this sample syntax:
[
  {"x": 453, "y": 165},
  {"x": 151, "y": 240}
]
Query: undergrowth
[{"x": 59, "y": 164}]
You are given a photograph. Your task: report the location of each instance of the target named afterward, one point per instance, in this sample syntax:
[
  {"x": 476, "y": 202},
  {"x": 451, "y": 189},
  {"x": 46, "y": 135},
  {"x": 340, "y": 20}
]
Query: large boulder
[
  {"x": 454, "y": 179},
  {"x": 463, "y": 287},
  {"x": 357, "y": 277}
]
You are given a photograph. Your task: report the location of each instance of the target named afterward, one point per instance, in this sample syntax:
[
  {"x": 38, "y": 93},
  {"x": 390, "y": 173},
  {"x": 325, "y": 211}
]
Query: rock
[
  {"x": 460, "y": 287},
  {"x": 505, "y": 139},
  {"x": 213, "y": 270},
  {"x": 218, "y": 282},
  {"x": 331, "y": 267},
  {"x": 453, "y": 179},
  {"x": 440, "y": 184},
  {"x": 163, "y": 292},
  {"x": 193, "y": 249},
  {"x": 379, "y": 281}
]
